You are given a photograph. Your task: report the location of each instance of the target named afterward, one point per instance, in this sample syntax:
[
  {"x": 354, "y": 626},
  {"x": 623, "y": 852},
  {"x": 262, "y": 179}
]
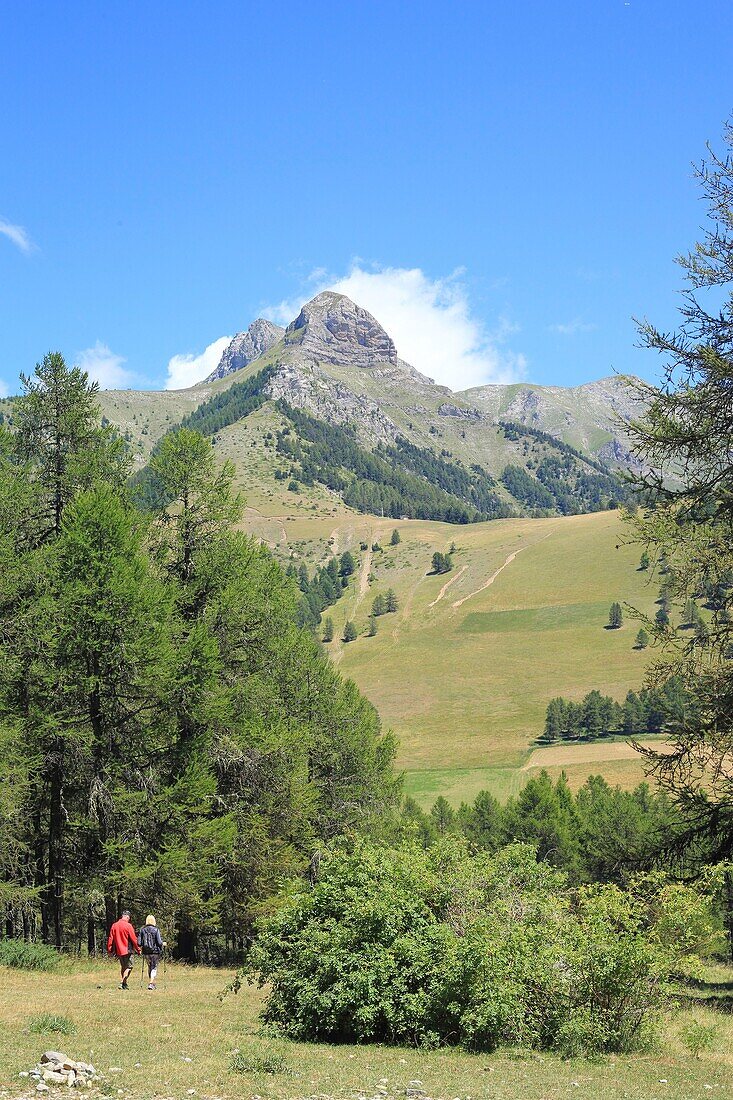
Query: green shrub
[
  {"x": 48, "y": 1022},
  {"x": 439, "y": 946},
  {"x": 259, "y": 1060},
  {"x": 698, "y": 1037},
  {"x": 28, "y": 956}
]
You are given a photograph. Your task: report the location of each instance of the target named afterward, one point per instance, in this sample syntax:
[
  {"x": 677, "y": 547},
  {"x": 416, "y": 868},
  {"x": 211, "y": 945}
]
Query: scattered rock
[
  {"x": 448, "y": 409},
  {"x": 56, "y": 1068}
]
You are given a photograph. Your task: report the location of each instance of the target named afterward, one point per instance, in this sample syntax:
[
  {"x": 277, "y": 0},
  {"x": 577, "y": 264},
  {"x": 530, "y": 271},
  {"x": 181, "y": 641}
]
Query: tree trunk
[
  {"x": 56, "y": 854},
  {"x": 729, "y": 910},
  {"x": 91, "y": 933},
  {"x": 110, "y": 911},
  {"x": 40, "y": 880},
  {"x": 187, "y": 943}
]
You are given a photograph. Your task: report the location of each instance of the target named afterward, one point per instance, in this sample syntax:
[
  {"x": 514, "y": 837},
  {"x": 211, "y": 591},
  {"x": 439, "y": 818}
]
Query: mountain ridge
[
  {"x": 333, "y": 350},
  {"x": 336, "y": 362}
]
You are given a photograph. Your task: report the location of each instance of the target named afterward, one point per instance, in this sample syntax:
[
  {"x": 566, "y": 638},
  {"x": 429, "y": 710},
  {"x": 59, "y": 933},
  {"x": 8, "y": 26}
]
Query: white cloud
[
  {"x": 187, "y": 370},
  {"x": 103, "y": 366},
  {"x": 572, "y": 328},
  {"x": 430, "y": 321},
  {"x": 16, "y": 234}
]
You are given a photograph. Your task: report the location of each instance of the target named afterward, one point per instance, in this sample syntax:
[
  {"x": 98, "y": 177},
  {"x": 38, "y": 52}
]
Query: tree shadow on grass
[{"x": 702, "y": 994}]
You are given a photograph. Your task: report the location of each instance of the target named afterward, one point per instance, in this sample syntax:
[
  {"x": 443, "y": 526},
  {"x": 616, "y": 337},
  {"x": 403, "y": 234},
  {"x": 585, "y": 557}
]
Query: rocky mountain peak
[
  {"x": 246, "y": 346},
  {"x": 333, "y": 329}
]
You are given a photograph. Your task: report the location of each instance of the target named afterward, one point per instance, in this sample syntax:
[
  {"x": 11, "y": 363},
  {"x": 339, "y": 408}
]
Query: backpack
[{"x": 149, "y": 939}]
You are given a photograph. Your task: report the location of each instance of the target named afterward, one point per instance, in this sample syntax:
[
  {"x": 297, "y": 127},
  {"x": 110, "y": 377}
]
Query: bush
[
  {"x": 426, "y": 947},
  {"x": 28, "y": 956},
  {"x": 48, "y": 1022},
  {"x": 698, "y": 1037}
]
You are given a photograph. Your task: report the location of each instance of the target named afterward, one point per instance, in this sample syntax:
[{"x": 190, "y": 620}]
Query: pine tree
[
  {"x": 58, "y": 431},
  {"x": 555, "y": 720},
  {"x": 642, "y": 639},
  {"x": 544, "y": 814},
  {"x": 395, "y": 539},
  {"x": 327, "y": 635},
  {"x": 372, "y": 629},
  {"x": 482, "y": 824},
  {"x": 688, "y": 613},
  {"x": 443, "y": 816},
  {"x": 593, "y": 715},
  {"x": 111, "y": 652},
  {"x": 442, "y": 563},
  {"x": 379, "y": 605},
  {"x": 644, "y": 561},
  {"x": 391, "y": 600},
  {"x": 347, "y": 564},
  {"x": 615, "y": 616},
  {"x": 350, "y": 632}
]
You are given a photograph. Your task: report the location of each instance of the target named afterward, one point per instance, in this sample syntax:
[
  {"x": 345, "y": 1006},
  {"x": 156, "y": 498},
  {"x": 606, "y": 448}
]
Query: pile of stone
[{"x": 56, "y": 1069}]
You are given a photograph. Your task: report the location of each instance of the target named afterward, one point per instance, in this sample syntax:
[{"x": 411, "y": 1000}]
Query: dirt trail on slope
[
  {"x": 501, "y": 568},
  {"x": 404, "y": 614},
  {"x": 366, "y": 568},
  {"x": 447, "y": 585}
]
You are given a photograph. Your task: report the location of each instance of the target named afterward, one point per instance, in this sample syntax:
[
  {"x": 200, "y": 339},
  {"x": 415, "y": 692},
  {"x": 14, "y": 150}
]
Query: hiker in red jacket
[{"x": 122, "y": 942}]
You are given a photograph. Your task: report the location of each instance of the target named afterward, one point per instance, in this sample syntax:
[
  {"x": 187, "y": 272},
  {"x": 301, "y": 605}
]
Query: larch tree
[{"x": 684, "y": 440}]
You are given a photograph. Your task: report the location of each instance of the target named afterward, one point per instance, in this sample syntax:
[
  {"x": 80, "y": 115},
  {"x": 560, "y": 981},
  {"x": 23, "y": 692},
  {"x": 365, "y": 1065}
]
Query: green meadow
[{"x": 183, "y": 1041}]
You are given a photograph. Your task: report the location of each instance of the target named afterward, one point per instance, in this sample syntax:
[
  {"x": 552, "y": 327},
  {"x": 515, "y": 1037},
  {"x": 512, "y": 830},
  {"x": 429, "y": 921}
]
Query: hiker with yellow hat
[{"x": 152, "y": 944}]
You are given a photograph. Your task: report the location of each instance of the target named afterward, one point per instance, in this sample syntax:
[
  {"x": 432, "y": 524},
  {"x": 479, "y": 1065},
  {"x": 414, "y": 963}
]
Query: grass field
[
  {"x": 464, "y": 670},
  {"x": 179, "y": 1042}
]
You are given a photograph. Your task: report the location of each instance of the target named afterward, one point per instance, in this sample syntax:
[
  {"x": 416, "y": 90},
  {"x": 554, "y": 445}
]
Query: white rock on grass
[{"x": 55, "y": 1068}]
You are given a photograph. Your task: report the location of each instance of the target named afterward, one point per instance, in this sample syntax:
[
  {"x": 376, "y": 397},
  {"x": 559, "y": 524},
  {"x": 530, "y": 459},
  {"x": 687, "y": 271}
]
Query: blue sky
[{"x": 510, "y": 182}]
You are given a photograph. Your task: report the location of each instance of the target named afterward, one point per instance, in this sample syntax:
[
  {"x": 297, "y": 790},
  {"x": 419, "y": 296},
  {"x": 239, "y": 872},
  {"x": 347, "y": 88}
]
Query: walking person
[
  {"x": 122, "y": 942},
  {"x": 152, "y": 944}
]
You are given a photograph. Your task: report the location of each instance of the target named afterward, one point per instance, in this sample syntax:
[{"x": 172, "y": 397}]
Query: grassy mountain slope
[
  {"x": 466, "y": 687},
  {"x": 465, "y": 669}
]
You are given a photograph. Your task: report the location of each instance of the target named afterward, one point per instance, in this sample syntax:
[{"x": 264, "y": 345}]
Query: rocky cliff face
[
  {"x": 247, "y": 346},
  {"x": 333, "y": 329},
  {"x": 331, "y": 400}
]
